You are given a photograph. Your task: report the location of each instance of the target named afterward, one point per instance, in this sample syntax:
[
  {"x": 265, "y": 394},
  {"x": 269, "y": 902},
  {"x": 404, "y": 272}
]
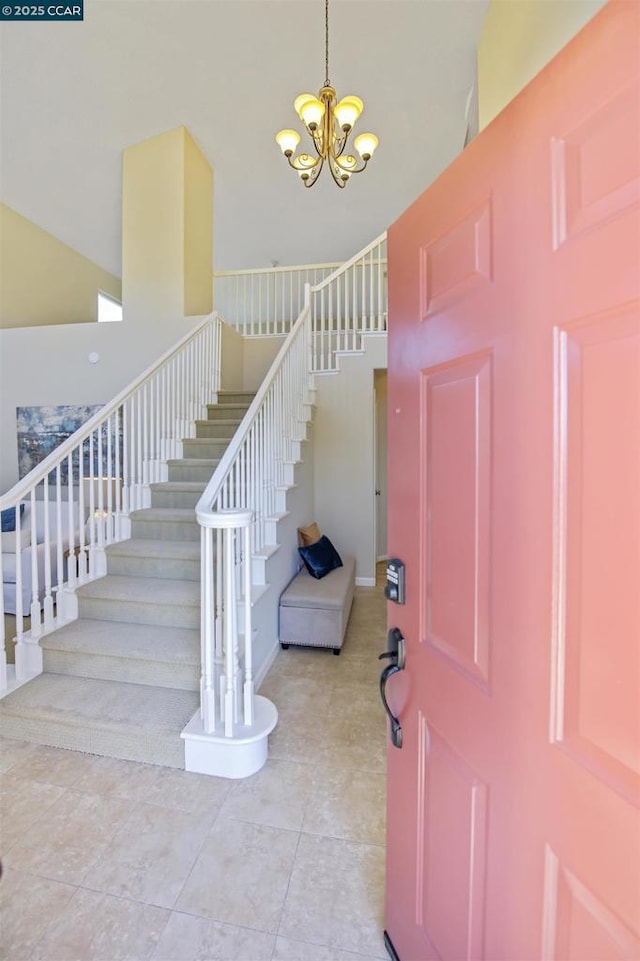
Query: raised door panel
[
  {"x": 452, "y": 831},
  {"x": 456, "y": 461},
  {"x": 578, "y": 925},
  {"x": 597, "y": 703}
]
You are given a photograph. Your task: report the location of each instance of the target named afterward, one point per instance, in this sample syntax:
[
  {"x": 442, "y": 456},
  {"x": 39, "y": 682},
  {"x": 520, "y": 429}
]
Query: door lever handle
[
  {"x": 395, "y": 725},
  {"x": 396, "y": 654}
]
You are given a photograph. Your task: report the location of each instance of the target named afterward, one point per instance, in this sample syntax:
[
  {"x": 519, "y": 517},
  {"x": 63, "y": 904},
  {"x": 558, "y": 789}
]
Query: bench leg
[
  {"x": 336, "y": 651},
  {"x": 285, "y": 647}
]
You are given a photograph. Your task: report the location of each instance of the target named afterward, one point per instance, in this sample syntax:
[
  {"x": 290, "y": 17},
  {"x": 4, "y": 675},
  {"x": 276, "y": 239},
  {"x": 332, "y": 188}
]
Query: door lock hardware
[
  {"x": 395, "y": 587},
  {"x": 396, "y": 654}
]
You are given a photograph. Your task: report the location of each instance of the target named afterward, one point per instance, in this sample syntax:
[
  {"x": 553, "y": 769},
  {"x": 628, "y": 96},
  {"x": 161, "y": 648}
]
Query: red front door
[{"x": 514, "y": 501}]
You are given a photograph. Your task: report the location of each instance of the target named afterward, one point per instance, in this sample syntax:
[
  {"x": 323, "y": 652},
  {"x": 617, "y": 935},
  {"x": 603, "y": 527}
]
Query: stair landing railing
[
  {"x": 78, "y": 500},
  {"x": 348, "y": 300},
  {"x": 348, "y": 303},
  {"x": 266, "y": 301}
]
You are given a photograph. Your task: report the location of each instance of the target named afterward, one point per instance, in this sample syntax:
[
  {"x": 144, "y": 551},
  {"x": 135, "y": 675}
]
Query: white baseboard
[
  {"x": 365, "y": 582},
  {"x": 266, "y": 664}
]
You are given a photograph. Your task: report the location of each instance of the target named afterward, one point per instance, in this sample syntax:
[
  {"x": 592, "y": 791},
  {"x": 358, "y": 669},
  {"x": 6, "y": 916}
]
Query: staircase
[
  {"x": 123, "y": 679},
  {"x": 142, "y": 622}
]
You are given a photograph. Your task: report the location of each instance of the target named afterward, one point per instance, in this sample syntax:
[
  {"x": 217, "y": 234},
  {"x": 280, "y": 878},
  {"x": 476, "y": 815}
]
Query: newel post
[{"x": 227, "y": 737}]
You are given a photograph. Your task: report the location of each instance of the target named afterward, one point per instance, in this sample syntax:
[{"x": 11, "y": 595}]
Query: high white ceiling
[{"x": 74, "y": 95}]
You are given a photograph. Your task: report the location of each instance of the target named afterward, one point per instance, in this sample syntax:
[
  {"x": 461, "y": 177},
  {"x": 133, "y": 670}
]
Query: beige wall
[
  {"x": 344, "y": 455},
  {"x": 259, "y": 354},
  {"x": 167, "y": 229},
  {"x": 198, "y": 230},
  {"x": 232, "y": 359},
  {"x": 518, "y": 38},
  {"x": 42, "y": 281},
  {"x": 50, "y": 365}
]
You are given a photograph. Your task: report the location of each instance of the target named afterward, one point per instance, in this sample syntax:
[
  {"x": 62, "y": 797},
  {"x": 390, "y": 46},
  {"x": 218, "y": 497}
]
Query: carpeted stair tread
[
  {"x": 220, "y": 421},
  {"x": 123, "y": 639},
  {"x": 110, "y": 718},
  {"x": 189, "y": 487},
  {"x": 203, "y": 441},
  {"x": 217, "y": 412},
  {"x": 171, "y": 550},
  {"x": 107, "y": 703},
  {"x": 211, "y": 462},
  {"x": 148, "y": 590},
  {"x": 225, "y": 394},
  {"x": 165, "y": 514}
]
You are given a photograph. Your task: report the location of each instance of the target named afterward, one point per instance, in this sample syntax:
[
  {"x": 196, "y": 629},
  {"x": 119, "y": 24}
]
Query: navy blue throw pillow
[
  {"x": 9, "y": 518},
  {"x": 320, "y": 558}
]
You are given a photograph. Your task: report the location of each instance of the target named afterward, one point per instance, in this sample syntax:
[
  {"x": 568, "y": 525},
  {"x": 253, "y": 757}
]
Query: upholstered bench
[{"x": 314, "y": 613}]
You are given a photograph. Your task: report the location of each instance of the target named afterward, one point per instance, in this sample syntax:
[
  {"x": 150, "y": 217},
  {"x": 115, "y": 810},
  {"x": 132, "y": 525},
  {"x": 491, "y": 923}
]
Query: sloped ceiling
[{"x": 74, "y": 95}]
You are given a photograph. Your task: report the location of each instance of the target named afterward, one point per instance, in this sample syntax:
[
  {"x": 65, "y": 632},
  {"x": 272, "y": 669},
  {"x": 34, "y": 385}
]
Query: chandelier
[{"x": 329, "y": 123}]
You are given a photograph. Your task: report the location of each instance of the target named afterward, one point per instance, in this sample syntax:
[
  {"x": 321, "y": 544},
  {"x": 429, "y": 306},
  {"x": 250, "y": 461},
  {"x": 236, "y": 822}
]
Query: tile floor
[{"x": 106, "y": 860}]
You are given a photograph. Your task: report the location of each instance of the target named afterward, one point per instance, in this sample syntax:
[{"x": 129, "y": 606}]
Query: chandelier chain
[{"x": 326, "y": 42}]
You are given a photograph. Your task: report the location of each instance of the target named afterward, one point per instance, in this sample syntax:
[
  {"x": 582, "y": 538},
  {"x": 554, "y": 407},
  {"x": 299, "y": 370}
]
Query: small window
[{"x": 109, "y": 309}]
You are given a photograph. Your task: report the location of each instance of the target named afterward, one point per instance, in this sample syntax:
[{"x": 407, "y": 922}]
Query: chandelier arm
[
  {"x": 351, "y": 170},
  {"x": 338, "y": 180},
  {"x": 309, "y": 182},
  {"x": 318, "y": 142},
  {"x": 298, "y": 167},
  {"x": 358, "y": 170}
]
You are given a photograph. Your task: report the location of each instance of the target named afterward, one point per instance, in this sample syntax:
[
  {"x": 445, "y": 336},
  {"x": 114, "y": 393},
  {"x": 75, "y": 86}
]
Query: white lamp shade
[
  {"x": 300, "y": 101},
  {"x": 348, "y": 111},
  {"x": 365, "y": 144},
  {"x": 312, "y": 112},
  {"x": 288, "y": 140}
]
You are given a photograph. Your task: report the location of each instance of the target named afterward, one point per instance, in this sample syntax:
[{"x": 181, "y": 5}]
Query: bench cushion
[
  {"x": 314, "y": 613},
  {"x": 329, "y": 593}
]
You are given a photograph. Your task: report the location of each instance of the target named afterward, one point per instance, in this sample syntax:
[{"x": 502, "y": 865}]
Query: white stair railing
[
  {"x": 243, "y": 495},
  {"x": 348, "y": 303},
  {"x": 78, "y": 500},
  {"x": 227, "y": 737},
  {"x": 265, "y": 301},
  {"x": 225, "y": 578},
  {"x": 258, "y": 464}
]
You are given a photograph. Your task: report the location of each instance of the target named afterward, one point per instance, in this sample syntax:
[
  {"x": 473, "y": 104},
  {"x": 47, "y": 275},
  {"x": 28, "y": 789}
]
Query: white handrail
[
  {"x": 350, "y": 302},
  {"x": 79, "y": 498},
  {"x": 357, "y": 260}
]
